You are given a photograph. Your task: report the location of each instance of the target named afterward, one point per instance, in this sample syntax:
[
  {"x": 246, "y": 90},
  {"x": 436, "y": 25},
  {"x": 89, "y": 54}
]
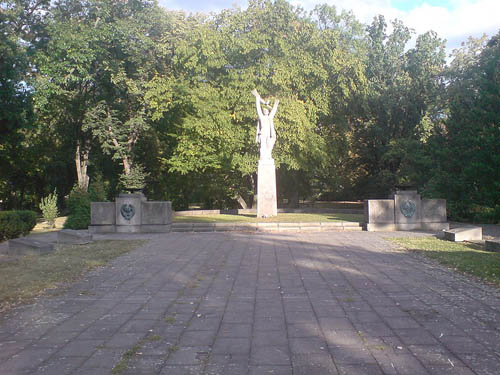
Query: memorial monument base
[
  {"x": 405, "y": 211},
  {"x": 130, "y": 213},
  {"x": 267, "y": 203}
]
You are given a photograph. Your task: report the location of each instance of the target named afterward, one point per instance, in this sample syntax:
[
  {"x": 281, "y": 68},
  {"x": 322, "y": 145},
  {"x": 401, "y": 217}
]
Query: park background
[{"x": 98, "y": 96}]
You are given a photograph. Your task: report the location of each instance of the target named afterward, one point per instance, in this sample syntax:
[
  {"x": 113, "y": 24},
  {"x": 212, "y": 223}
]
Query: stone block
[
  {"x": 306, "y": 228},
  {"x": 156, "y": 228},
  {"x": 224, "y": 227},
  {"x": 330, "y": 224},
  {"x": 408, "y": 226},
  {"x": 246, "y": 227},
  {"x": 267, "y": 227},
  {"x": 102, "y": 213},
  {"x": 102, "y": 228},
  {"x": 74, "y": 237},
  {"x": 288, "y": 227},
  {"x": 203, "y": 227},
  {"x": 434, "y": 211},
  {"x": 352, "y": 228},
  {"x": 380, "y": 227},
  {"x": 314, "y": 224},
  {"x": 156, "y": 213},
  {"x": 379, "y": 211},
  {"x": 435, "y": 226},
  {"x": 25, "y": 246},
  {"x": 128, "y": 211},
  {"x": 267, "y": 202},
  {"x": 182, "y": 227},
  {"x": 492, "y": 245},
  {"x": 407, "y": 207},
  {"x": 128, "y": 229},
  {"x": 464, "y": 234}
]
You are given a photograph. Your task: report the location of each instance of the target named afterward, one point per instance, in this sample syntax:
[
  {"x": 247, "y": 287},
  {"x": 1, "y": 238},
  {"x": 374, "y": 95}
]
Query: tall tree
[{"x": 393, "y": 119}]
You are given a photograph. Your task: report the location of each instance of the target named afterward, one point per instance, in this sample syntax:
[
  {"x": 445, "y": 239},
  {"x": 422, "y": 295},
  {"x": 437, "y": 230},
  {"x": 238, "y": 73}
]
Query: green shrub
[
  {"x": 485, "y": 214},
  {"x": 49, "y": 208},
  {"x": 79, "y": 209},
  {"x": 16, "y": 223},
  {"x": 79, "y": 218},
  {"x": 136, "y": 179},
  {"x": 79, "y": 204}
]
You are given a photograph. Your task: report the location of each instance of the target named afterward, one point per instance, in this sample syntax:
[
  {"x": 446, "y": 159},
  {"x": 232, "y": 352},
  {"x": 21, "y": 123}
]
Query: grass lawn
[
  {"x": 24, "y": 277},
  {"x": 465, "y": 257},
  {"x": 281, "y": 218}
]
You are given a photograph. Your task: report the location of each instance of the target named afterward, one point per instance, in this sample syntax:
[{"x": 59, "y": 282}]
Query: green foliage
[
  {"x": 16, "y": 223},
  {"x": 48, "y": 205},
  {"x": 136, "y": 179},
  {"x": 78, "y": 209},
  {"x": 467, "y": 145},
  {"x": 78, "y": 204}
]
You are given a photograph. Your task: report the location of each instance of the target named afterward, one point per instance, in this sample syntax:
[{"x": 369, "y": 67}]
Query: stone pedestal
[{"x": 267, "y": 203}]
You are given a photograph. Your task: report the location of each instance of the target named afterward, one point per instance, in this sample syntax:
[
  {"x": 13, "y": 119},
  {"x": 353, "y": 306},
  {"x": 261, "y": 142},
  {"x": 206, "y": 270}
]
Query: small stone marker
[
  {"x": 24, "y": 246},
  {"x": 73, "y": 237},
  {"x": 492, "y": 245},
  {"x": 464, "y": 234}
]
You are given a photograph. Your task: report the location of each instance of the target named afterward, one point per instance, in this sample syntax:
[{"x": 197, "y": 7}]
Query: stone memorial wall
[
  {"x": 405, "y": 211},
  {"x": 131, "y": 213}
]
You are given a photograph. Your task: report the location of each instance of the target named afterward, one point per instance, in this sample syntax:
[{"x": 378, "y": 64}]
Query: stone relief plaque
[
  {"x": 127, "y": 211},
  {"x": 408, "y": 208}
]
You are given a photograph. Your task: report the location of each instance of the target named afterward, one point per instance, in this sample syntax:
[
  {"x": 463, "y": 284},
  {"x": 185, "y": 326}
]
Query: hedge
[{"x": 16, "y": 223}]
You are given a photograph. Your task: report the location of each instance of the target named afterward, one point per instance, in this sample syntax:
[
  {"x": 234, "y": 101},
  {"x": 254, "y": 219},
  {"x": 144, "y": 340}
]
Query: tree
[
  {"x": 467, "y": 144},
  {"x": 91, "y": 77},
  {"x": 393, "y": 120},
  {"x": 275, "y": 48}
]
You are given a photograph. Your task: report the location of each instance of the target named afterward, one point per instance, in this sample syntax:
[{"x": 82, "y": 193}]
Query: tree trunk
[
  {"x": 126, "y": 165},
  {"x": 241, "y": 201},
  {"x": 81, "y": 163}
]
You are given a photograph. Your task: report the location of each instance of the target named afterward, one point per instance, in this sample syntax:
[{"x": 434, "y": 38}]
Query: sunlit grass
[
  {"x": 464, "y": 257},
  {"x": 281, "y": 218}
]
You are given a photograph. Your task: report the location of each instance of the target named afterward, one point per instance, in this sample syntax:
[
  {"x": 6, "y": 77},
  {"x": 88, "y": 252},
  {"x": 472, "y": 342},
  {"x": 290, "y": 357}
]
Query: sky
[{"x": 453, "y": 20}]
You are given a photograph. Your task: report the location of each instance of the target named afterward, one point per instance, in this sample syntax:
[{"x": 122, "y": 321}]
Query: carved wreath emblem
[
  {"x": 127, "y": 211},
  {"x": 408, "y": 208}
]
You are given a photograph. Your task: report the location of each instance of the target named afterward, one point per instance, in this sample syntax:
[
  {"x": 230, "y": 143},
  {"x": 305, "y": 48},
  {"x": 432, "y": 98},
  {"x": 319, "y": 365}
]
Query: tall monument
[{"x": 267, "y": 203}]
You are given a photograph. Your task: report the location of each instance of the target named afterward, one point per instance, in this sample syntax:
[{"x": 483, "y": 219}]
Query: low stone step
[
  {"x": 468, "y": 233},
  {"x": 492, "y": 245},
  {"x": 74, "y": 237},
  {"x": 25, "y": 246},
  {"x": 268, "y": 227}
]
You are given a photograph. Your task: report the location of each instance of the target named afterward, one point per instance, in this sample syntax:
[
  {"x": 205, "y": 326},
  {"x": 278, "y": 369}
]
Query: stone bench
[
  {"x": 469, "y": 233},
  {"x": 74, "y": 237},
  {"x": 492, "y": 245},
  {"x": 24, "y": 246}
]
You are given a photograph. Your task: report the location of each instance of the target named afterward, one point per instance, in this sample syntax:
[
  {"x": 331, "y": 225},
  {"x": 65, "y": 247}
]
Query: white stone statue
[{"x": 266, "y": 135}]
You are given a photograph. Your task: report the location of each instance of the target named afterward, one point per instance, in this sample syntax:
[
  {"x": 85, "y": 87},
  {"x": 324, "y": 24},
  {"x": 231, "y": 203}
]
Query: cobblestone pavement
[{"x": 236, "y": 303}]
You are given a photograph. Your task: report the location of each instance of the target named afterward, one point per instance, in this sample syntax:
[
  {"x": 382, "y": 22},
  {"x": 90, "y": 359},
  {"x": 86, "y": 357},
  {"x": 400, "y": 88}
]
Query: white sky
[{"x": 453, "y": 20}]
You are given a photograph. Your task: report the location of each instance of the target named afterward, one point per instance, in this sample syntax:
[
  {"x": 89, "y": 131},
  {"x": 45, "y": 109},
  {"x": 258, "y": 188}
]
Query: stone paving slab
[{"x": 260, "y": 303}]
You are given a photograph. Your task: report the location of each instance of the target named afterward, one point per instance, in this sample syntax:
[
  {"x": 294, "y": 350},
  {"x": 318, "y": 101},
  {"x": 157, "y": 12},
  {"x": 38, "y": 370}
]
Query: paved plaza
[{"x": 241, "y": 303}]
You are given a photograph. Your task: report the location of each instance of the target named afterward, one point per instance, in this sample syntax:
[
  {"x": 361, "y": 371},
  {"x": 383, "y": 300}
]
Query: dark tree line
[{"x": 103, "y": 89}]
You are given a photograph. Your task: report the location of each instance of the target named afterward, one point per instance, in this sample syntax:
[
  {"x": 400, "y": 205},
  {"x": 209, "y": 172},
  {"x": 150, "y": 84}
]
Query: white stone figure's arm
[
  {"x": 257, "y": 133},
  {"x": 275, "y": 108},
  {"x": 258, "y": 100}
]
